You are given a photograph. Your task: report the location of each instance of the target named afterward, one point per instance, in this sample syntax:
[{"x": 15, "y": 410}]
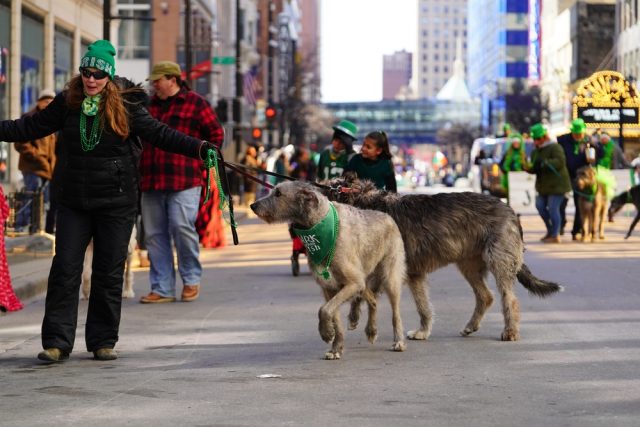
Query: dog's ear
[{"x": 309, "y": 198}]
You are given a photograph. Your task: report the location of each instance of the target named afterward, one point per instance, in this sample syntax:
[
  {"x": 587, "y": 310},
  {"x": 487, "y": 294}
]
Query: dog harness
[{"x": 320, "y": 240}]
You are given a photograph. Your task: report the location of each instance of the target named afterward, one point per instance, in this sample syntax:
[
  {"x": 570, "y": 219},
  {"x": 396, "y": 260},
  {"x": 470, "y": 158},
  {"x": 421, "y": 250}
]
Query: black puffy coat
[{"x": 107, "y": 176}]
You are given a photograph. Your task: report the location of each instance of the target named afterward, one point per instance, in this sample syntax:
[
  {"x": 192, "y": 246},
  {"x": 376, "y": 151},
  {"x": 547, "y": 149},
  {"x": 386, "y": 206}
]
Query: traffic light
[
  {"x": 256, "y": 134},
  {"x": 270, "y": 114}
]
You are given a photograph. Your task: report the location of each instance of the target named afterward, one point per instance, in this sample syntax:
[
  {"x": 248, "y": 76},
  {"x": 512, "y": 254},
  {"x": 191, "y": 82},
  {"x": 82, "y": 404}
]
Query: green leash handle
[{"x": 213, "y": 160}]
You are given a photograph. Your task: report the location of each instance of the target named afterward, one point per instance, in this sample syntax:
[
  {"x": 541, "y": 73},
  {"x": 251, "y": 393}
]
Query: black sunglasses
[{"x": 98, "y": 75}]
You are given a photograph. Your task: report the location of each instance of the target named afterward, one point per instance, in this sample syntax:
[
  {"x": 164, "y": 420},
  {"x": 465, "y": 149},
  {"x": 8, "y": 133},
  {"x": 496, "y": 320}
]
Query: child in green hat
[{"x": 334, "y": 159}]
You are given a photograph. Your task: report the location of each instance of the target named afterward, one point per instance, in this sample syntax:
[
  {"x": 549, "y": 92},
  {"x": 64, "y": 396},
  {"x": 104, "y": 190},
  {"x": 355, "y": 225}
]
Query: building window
[
  {"x": 63, "y": 54},
  {"x": 134, "y": 36},
  {"x": 31, "y": 60}
]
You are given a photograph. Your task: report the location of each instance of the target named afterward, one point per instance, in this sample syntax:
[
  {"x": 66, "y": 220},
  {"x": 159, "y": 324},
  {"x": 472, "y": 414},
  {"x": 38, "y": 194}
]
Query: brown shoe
[
  {"x": 551, "y": 239},
  {"x": 53, "y": 355},
  {"x": 105, "y": 354},
  {"x": 190, "y": 292},
  {"x": 154, "y": 298},
  {"x": 542, "y": 239}
]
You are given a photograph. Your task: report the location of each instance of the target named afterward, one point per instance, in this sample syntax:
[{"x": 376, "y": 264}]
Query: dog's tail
[{"x": 536, "y": 286}]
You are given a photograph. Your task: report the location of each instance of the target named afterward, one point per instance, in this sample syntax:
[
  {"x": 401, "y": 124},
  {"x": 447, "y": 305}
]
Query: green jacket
[{"x": 549, "y": 165}]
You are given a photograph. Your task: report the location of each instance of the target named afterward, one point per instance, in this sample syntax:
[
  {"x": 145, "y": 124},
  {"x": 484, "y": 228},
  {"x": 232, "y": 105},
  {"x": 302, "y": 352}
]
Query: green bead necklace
[{"x": 90, "y": 142}]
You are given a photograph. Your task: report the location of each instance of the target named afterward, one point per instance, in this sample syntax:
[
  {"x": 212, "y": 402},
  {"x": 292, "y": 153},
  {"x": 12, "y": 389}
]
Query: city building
[
  {"x": 396, "y": 74},
  {"x": 440, "y": 24},
  {"x": 578, "y": 39},
  {"x": 408, "y": 122},
  {"x": 498, "y": 54},
  {"x": 41, "y": 44}
]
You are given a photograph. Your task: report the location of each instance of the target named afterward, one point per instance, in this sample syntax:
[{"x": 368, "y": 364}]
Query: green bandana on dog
[{"x": 320, "y": 240}]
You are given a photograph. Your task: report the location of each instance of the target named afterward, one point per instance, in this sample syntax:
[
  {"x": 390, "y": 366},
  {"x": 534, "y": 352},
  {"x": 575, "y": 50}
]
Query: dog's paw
[
  {"x": 327, "y": 331},
  {"x": 399, "y": 346},
  {"x": 372, "y": 333},
  {"x": 352, "y": 325},
  {"x": 128, "y": 294},
  {"x": 418, "y": 335},
  {"x": 510, "y": 335},
  {"x": 468, "y": 330},
  {"x": 332, "y": 355}
]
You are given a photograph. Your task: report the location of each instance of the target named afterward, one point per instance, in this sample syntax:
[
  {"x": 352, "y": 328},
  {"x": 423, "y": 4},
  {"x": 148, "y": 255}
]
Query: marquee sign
[{"x": 608, "y": 100}]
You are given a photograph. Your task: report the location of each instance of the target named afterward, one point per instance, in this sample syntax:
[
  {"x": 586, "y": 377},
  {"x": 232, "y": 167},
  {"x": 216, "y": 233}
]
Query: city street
[{"x": 248, "y": 353}]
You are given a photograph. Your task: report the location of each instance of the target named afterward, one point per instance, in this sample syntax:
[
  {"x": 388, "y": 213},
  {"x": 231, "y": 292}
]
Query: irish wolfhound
[
  {"x": 477, "y": 232},
  {"x": 632, "y": 195},
  {"x": 592, "y": 202},
  {"x": 366, "y": 258}
]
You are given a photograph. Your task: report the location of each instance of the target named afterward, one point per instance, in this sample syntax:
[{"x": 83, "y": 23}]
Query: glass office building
[{"x": 498, "y": 53}]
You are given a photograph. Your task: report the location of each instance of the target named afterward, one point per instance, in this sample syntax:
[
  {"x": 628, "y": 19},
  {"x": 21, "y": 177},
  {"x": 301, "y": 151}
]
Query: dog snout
[{"x": 254, "y": 206}]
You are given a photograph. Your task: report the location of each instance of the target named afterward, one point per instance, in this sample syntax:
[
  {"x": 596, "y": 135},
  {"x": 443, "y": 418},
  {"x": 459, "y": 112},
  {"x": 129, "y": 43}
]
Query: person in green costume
[
  {"x": 334, "y": 159},
  {"x": 514, "y": 159}
]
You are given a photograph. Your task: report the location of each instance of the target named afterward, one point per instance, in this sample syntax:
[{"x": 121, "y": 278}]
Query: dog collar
[{"x": 320, "y": 240}]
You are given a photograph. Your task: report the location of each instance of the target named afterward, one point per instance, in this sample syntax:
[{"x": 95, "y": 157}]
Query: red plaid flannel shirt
[{"x": 189, "y": 113}]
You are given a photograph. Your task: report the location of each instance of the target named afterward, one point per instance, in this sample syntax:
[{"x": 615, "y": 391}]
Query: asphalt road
[{"x": 248, "y": 353}]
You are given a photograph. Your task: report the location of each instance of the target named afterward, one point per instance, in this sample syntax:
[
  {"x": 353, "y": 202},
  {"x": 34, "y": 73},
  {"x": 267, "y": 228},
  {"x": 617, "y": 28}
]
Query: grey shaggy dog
[
  {"x": 368, "y": 257},
  {"x": 477, "y": 232}
]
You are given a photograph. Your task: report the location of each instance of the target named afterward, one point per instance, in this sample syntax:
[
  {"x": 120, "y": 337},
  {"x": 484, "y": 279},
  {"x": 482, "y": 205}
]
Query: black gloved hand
[{"x": 205, "y": 147}]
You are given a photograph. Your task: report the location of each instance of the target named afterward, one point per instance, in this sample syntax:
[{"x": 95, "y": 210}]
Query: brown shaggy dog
[
  {"x": 477, "y": 232},
  {"x": 592, "y": 202}
]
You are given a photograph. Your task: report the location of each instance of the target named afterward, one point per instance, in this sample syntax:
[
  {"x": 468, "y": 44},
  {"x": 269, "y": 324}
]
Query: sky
[{"x": 354, "y": 35}]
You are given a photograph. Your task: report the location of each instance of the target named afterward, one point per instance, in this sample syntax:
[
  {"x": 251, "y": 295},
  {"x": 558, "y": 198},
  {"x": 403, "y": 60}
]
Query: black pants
[
  {"x": 577, "y": 219},
  {"x": 111, "y": 231}
]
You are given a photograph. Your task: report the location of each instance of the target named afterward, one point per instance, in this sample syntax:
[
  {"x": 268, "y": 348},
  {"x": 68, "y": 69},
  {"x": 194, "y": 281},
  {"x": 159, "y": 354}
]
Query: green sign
[{"x": 224, "y": 60}]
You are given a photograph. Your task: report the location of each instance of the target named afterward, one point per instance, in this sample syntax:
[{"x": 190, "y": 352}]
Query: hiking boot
[
  {"x": 53, "y": 355},
  {"x": 190, "y": 293},
  {"x": 105, "y": 354},
  {"x": 551, "y": 239},
  {"x": 154, "y": 298}
]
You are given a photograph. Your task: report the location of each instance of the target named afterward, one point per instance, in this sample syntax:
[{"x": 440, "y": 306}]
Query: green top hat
[
  {"x": 538, "y": 131},
  {"x": 347, "y": 127},
  {"x": 578, "y": 126}
]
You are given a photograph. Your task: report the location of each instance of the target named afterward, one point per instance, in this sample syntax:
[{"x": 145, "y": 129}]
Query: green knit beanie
[{"x": 101, "y": 55}]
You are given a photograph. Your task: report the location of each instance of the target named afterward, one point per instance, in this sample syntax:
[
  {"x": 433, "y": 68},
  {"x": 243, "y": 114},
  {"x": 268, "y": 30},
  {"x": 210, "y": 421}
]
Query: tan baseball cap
[{"x": 164, "y": 68}]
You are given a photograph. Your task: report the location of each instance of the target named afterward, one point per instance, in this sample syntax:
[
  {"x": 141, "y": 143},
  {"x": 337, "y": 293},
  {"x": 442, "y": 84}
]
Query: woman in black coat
[{"x": 99, "y": 118}]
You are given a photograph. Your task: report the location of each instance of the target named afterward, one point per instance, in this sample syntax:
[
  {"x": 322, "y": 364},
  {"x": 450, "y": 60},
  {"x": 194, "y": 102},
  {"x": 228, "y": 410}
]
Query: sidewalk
[{"x": 29, "y": 259}]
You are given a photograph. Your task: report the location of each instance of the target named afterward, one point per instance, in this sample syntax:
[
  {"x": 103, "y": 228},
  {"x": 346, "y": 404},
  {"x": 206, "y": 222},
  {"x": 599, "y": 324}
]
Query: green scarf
[
  {"x": 607, "y": 160},
  {"x": 90, "y": 106},
  {"x": 320, "y": 240}
]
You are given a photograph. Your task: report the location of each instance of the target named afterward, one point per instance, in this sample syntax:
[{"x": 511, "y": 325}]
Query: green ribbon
[
  {"x": 211, "y": 161},
  {"x": 320, "y": 240}
]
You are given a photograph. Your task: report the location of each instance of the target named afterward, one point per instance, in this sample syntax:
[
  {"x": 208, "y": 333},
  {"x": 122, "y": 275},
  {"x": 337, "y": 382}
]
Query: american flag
[{"x": 251, "y": 86}]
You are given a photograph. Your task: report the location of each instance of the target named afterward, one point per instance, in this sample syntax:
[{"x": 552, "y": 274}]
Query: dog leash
[
  {"x": 241, "y": 169},
  {"x": 212, "y": 161}
]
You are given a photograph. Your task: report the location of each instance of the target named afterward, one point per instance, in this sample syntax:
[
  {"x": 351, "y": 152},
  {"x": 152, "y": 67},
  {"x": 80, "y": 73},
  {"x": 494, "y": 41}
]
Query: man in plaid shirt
[{"x": 171, "y": 186}]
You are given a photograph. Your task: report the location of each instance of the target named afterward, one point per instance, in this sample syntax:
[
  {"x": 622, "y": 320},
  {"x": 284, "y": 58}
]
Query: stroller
[{"x": 298, "y": 249}]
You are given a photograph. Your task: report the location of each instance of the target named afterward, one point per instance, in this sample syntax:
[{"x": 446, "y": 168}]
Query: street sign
[{"x": 223, "y": 60}]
